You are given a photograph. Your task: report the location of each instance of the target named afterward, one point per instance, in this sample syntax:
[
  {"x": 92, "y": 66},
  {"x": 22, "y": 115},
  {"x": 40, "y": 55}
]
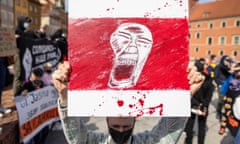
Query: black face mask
[
  {"x": 37, "y": 83},
  {"x": 48, "y": 71},
  {"x": 120, "y": 137}
]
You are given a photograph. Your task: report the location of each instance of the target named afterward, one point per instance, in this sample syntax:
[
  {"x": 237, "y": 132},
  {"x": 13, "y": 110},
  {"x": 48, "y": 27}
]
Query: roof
[{"x": 214, "y": 10}]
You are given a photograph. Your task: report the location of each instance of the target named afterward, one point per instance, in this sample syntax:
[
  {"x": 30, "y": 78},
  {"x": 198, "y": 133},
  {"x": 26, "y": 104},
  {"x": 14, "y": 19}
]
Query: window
[
  {"x": 3, "y": 2},
  {"x": 17, "y": 2},
  {"x": 235, "y": 53},
  {"x": 198, "y": 25},
  {"x": 236, "y": 40},
  {"x": 210, "y": 25},
  {"x": 35, "y": 10},
  {"x": 196, "y": 49},
  {"x": 238, "y": 23},
  {"x": 209, "y": 52},
  {"x": 10, "y": 18},
  {"x": 36, "y": 21},
  {"x": 30, "y": 8},
  {"x": 223, "y": 24},
  {"x": 24, "y": 4},
  {"x": 222, "y": 40},
  {"x": 221, "y": 52},
  {"x": 10, "y": 3},
  {"x": 197, "y": 35},
  {"x": 209, "y": 40},
  {"x": 3, "y": 16}
]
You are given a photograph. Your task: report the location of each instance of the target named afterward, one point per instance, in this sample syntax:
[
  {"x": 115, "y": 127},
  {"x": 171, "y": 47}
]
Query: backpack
[{"x": 236, "y": 107}]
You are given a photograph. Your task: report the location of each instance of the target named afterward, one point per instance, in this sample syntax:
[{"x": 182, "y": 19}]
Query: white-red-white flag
[{"x": 128, "y": 58}]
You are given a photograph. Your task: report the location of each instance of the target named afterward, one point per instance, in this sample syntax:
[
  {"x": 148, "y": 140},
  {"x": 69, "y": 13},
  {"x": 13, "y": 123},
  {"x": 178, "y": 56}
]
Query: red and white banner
[
  {"x": 36, "y": 110},
  {"x": 128, "y": 58}
]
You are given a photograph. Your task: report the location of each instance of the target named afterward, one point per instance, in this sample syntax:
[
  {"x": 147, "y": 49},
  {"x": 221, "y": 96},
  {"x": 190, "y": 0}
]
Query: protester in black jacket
[
  {"x": 60, "y": 40},
  {"x": 222, "y": 72},
  {"x": 22, "y": 25},
  {"x": 199, "y": 106}
]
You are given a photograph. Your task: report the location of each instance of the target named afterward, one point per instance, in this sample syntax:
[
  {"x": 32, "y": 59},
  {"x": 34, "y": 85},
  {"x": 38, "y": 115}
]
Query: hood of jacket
[{"x": 21, "y": 21}]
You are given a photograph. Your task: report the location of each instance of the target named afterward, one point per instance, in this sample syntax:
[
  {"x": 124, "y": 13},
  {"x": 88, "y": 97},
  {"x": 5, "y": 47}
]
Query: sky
[{"x": 204, "y": 1}]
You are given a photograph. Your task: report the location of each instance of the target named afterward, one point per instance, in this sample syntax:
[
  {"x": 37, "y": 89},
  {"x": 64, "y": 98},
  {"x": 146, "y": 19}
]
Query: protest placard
[
  {"x": 36, "y": 110},
  {"x": 128, "y": 58},
  {"x": 36, "y": 52}
]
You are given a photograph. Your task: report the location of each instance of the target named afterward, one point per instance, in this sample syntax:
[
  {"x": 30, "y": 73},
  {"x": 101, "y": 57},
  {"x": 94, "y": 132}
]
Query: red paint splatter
[
  {"x": 131, "y": 105},
  {"x": 120, "y": 103},
  {"x": 141, "y": 102},
  {"x": 149, "y": 111}
]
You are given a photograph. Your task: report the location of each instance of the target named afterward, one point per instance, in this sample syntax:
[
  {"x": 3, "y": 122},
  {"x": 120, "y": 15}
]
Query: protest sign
[
  {"x": 34, "y": 53},
  {"x": 128, "y": 58},
  {"x": 36, "y": 110},
  {"x": 7, "y": 42}
]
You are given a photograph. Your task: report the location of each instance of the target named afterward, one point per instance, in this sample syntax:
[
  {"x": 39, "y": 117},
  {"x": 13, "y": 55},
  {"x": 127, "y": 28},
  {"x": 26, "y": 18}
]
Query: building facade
[
  {"x": 7, "y": 14},
  {"x": 21, "y": 9},
  {"x": 54, "y": 15},
  {"x": 215, "y": 29},
  {"x": 34, "y": 12}
]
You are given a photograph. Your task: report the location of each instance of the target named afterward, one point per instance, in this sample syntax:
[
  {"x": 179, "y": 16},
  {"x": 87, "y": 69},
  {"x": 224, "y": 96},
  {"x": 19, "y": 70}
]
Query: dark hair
[
  {"x": 212, "y": 56},
  {"x": 199, "y": 65},
  {"x": 38, "y": 72}
]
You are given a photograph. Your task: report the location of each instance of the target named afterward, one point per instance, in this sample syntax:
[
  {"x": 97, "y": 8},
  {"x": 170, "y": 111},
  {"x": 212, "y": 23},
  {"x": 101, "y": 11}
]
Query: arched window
[
  {"x": 223, "y": 24},
  {"x": 235, "y": 53},
  {"x": 197, "y": 35},
  {"x": 209, "y": 41},
  {"x": 196, "y": 49},
  {"x": 238, "y": 23},
  {"x": 221, "y": 52}
]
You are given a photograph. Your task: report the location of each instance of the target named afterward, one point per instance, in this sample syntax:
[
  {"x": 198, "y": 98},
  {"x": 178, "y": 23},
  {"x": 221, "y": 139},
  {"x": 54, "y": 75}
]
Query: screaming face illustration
[{"x": 131, "y": 43}]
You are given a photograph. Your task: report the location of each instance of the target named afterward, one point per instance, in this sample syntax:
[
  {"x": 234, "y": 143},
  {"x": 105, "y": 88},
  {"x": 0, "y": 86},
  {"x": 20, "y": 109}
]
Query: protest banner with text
[{"x": 36, "y": 110}]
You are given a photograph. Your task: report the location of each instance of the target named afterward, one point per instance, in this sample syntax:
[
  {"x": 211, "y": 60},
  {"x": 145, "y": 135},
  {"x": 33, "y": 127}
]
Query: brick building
[
  {"x": 7, "y": 14},
  {"x": 215, "y": 28}
]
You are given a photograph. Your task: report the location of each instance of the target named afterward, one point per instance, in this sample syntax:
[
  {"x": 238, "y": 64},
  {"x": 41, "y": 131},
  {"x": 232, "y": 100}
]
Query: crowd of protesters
[
  {"x": 222, "y": 78},
  {"x": 39, "y": 77}
]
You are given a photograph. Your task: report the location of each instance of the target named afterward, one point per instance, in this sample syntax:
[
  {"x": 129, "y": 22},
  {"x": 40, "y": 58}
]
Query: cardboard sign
[
  {"x": 36, "y": 110},
  {"x": 7, "y": 42},
  {"x": 128, "y": 58}
]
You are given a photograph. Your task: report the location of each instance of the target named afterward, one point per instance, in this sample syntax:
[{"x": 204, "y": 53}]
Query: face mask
[
  {"x": 36, "y": 83},
  {"x": 120, "y": 137},
  {"x": 49, "y": 71},
  {"x": 25, "y": 25}
]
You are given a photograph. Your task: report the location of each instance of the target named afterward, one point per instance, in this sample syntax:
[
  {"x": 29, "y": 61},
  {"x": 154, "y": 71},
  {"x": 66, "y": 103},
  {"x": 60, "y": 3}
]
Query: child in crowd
[
  {"x": 47, "y": 75},
  {"x": 34, "y": 83}
]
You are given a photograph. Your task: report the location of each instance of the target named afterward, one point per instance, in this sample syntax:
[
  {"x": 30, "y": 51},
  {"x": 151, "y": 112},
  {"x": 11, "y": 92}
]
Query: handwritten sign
[
  {"x": 36, "y": 110},
  {"x": 128, "y": 58},
  {"x": 7, "y": 42}
]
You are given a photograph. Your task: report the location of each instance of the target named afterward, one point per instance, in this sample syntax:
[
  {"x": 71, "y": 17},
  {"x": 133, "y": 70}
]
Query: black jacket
[
  {"x": 221, "y": 71},
  {"x": 203, "y": 96}
]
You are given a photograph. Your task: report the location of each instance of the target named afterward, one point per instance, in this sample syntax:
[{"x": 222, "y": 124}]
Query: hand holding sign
[
  {"x": 60, "y": 78},
  {"x": 195, "y": 78}
]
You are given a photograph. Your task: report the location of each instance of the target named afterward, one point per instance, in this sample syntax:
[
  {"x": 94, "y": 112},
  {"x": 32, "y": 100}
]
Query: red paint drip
[
  {"x": 120, "y": 103},
  {"x": 130, "y": 105},
  {"x": 141, "y": 101},
  {"x": 150, "y": 111}
]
